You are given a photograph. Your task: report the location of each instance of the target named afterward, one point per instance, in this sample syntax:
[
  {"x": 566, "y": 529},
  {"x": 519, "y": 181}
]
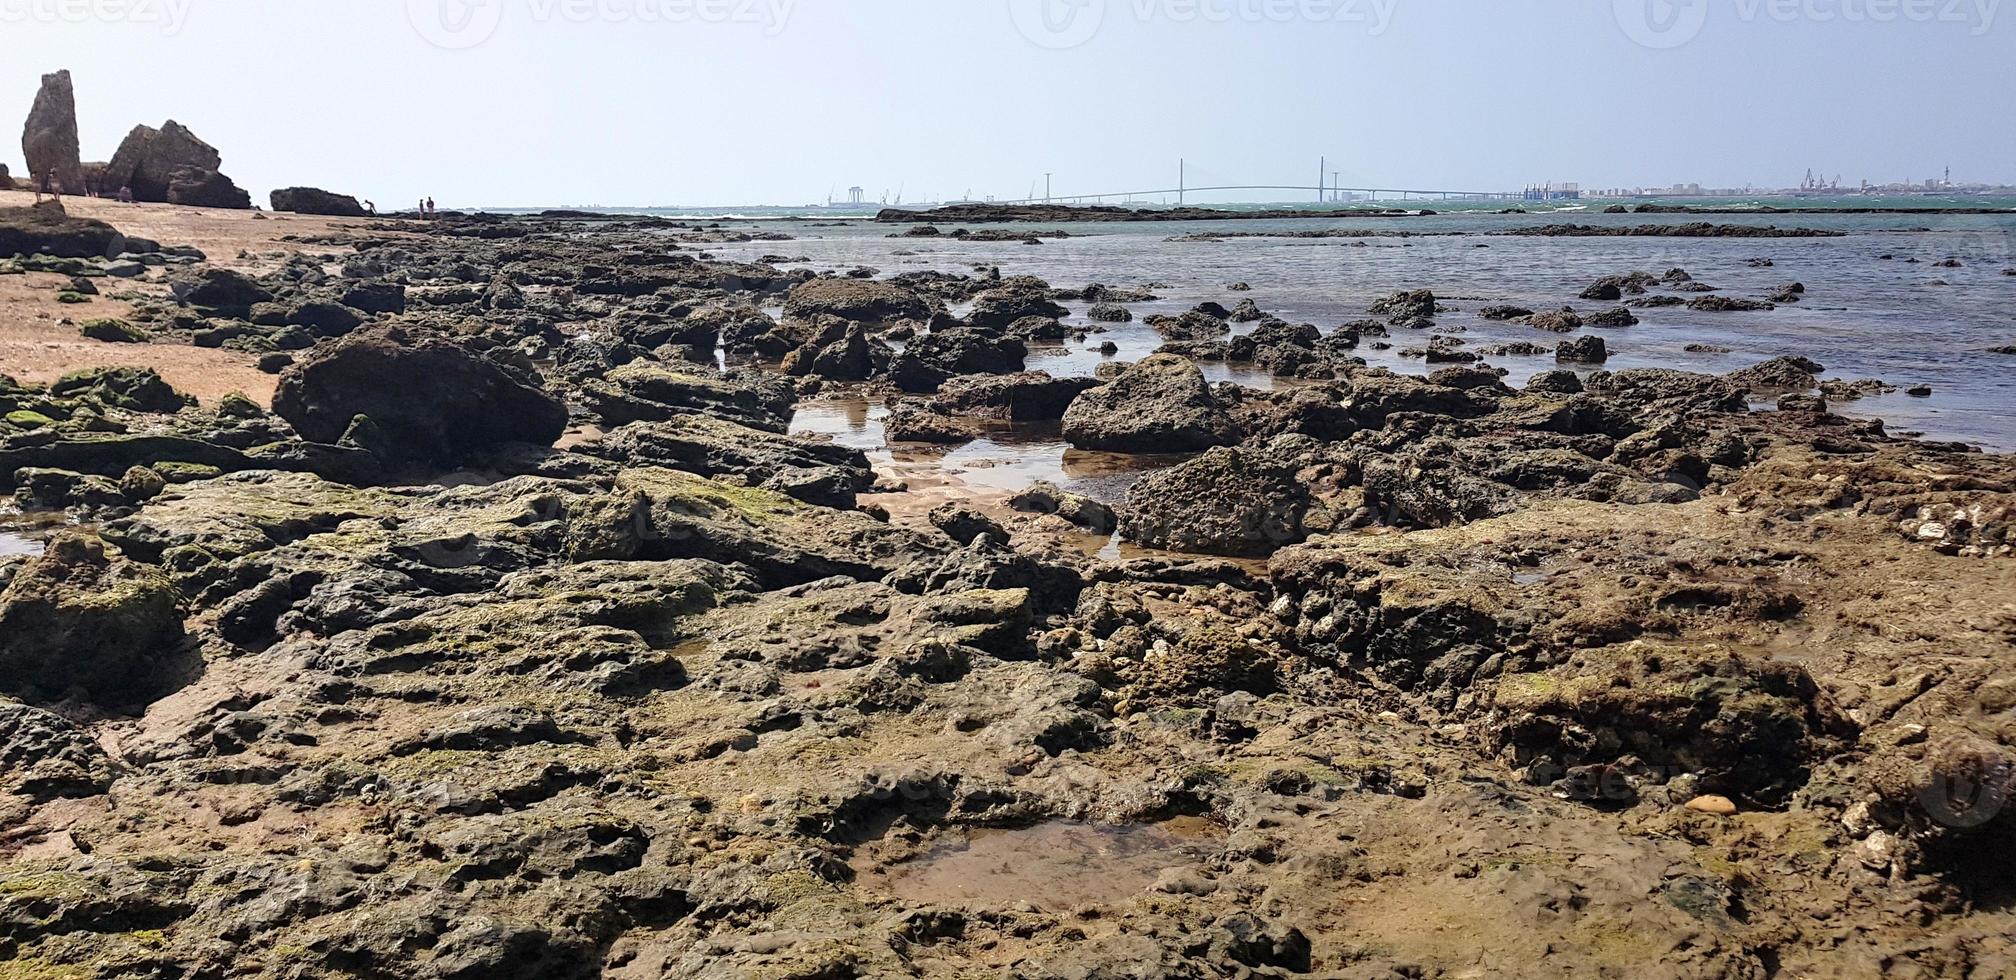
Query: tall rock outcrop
[
  {"x": 49, "y": 141},
  {"x": 172, "y": 165}
]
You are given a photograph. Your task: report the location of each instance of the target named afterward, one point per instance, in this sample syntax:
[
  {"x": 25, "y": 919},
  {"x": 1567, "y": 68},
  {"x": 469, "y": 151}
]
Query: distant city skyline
[{"x": 645, "y": 102}]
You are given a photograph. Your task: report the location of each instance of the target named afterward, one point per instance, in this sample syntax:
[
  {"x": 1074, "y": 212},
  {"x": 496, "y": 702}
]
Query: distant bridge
[{"x": 1322, "y": 194}]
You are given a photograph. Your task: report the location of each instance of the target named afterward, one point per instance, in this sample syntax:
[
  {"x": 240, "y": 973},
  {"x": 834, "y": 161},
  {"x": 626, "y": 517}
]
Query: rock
[
  {"x": 1778, "y": 374},
  {"x": 199, "y": 188},
  {"x": 44, "y": 756},
  {"x": 275, "y": 362},
  {"x": 1803, "y": 403},
  {"x": 714, "y": 447},
  {"x": 80, "y": 617},
  {"x": 1607, "y": 289},
  {"x": 1192, "y": 326},
  {"x": 1555, "y": 383},
  {"x": 148, "y": 159},
  {"x": 910, "y": 423},
  {"x": 1412, "y": 308},
  {"x": 1229, "y": 501},
  {"x": 966, "y": 525},
  {"x": 376, "y": 297},
  {"x": 129, "y": 389},
  {"x": 1618, "y": 317},
  {"x": 1558, "y": 321},
  {"x": 1159, "y": 405},
  {"x": 937, "y": 357},
  {"x": 1044, "y": 497},
  {"x": 313, "y": 200},
  {"x": 1109, "y": 313},
  {"x": 1714, "y": 806},
  {"x": 113, "y": 332},
  {"x": 1583, "y": 350},
  {"x": 1032, "y": 396},
  {"x": 47, "y": 229},
  {"x": 220, "y": 292},
  {"x": 434, "y": 400},
  {"x": 1919, "y": 391},
  {"x": 1504, "y": 312},
  {"x": 862, "y": 301},
  {"x": 1014, "y": 299},
  {"x": 1727, "y": 304},
  {"x": 49, "y": 140},
  {"x": 1791, "y": 292}
]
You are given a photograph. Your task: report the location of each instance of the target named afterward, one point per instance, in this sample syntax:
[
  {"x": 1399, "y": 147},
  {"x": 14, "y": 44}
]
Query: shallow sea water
[{"x": 1907, "y": 322}]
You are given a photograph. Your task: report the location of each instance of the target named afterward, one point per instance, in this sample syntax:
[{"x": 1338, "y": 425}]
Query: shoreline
[{"x": 512, "y": 605}]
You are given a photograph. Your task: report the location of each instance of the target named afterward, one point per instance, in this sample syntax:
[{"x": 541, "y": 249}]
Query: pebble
[{"x": 1717, "y": 806}]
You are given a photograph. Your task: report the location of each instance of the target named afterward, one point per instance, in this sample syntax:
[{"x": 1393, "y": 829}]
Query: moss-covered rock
[
  {"x": 113, "y": 332},
  {"x": 81, "y": 617}
]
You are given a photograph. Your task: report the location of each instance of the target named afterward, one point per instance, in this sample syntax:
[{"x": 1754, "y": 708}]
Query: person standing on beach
[
  {"x": 48, "y": 184},
  {"x": 430, "y": 208},
  {"x": 125, "y": 194}
]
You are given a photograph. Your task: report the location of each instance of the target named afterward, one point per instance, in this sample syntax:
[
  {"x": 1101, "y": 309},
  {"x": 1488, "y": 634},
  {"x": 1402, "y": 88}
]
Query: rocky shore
[
  {"x": 985, "y": 213},
  {"x": 519, "y": 637}
]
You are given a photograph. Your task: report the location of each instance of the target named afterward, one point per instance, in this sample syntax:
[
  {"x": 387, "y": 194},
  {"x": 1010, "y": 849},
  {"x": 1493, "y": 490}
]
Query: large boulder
[
  {"x": 221, "y": 292},
  {"x": 859, "y": 300},
  {"x": 1032, "y": 396},
  {"x": 314, "y": 200},
  {"x": 424, "y": 397},
  {"x": 935, "y": 358},
  {"x": 80, "y": 618},
  {"x": 1229, "y": 501},
  {"x": 196, "y": 187},
  {"x": 1012, "y": 300},
  {"x": 1160, "y": 405},
  {"x": 49, "y": 140},
  {"x": 46, "y": 229},
  {"x": 147, "y": 161}
]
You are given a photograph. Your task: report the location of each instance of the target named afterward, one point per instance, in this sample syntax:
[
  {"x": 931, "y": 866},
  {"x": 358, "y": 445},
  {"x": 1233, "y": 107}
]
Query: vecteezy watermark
[
  {"x": 1063, "y": 24},
  {"x": 462, "y": 24},
  {"x": 1666, "y": 24},
  {"x": 169, "y": 15}
]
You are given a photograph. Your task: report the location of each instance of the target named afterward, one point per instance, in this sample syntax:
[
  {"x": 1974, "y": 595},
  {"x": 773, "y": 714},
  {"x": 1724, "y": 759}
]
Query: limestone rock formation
[
  {"x": 314, "y": 200},
  {"x": 149, "y": 160},
  {"x": 49, "y": 141}
]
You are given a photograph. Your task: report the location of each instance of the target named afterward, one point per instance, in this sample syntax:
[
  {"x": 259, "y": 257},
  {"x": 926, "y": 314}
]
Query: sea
[{"x": 1912, "y": 299}]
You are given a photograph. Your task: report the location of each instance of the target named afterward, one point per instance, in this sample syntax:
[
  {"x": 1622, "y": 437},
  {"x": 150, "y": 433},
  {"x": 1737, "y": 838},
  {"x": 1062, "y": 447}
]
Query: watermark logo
[
  {"x": 455, "y": 25},
  {"x": 1969, "y": 795},
  {"x": 169, "y": 15},
  {"x": 1058, "y": 24},
  {"x": 1661, "y": 24},
  {"x": 1667, "y": 24},
  {"x": 458, "y": 25},
  {"x": 1063, "y": 24}
]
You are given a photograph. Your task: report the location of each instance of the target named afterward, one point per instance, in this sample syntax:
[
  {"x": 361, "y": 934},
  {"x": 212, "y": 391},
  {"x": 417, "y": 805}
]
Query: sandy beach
[{"x": 39, "y": 340}]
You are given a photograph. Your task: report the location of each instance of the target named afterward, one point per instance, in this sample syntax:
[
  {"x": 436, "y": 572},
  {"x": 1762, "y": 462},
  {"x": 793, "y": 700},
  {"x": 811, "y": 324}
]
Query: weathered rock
[
  {"x": 148, "y": 159},
  {"x": 47, "y": 229},
  {"x": 314, "y": 200},
  {"x": 714, "y": 447},
  {"x": 859, "y": 300},
  {"x": 1780, "y": 374},
  {"x": 434, "y": 400},
  {"x": 1012, "y": 300},
  {"x": 199, "y": 188},
  {"x": 911, "y": 423},
  {"x": 221, "y": 292},
  {"x": 1226, "y": 502},
  {"x": 1583, "y": 350},
  {"x": 1032, "y": 396},
  {"x": 937, "y": 357},
  {"x": 1043, "y": 497},
  {"x": 1159, "y": 405},
  {"x": 49, "y": 140},
  {"x": 81, "y": 618}
]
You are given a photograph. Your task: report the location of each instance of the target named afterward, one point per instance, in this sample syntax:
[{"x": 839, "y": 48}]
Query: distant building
[{"x": 855, "y": 195}]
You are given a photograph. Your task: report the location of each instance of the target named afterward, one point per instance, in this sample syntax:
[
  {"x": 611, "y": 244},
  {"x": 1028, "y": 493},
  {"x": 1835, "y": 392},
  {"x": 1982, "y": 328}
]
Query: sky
[{"x": 716, "y": 102}]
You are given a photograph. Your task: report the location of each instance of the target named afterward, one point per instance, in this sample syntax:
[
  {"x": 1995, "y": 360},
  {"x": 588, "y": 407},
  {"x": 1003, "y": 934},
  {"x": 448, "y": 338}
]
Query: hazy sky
[{"x": 523, "y": 102}]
